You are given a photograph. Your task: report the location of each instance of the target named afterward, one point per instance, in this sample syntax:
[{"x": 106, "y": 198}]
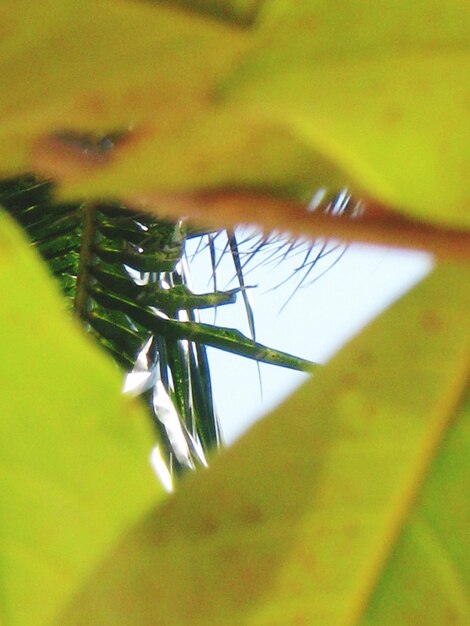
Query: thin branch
[{"x": 85, "y": 260}]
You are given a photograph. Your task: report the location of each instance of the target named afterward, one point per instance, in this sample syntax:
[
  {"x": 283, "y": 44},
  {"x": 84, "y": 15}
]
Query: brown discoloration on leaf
[
  {"x": 251, "y": 515},
  {"x": 6, "y": 24},
  {"x": 371, "y": 410},
  {"x": 432, "y": 322},
  {"x": 392, "y": 116},
  {"x": 365, "y": 358},
  {"x": 350, "y": 380},
  {"x": 229, "y": 554},
  {"x": 207, "y": 526},
  {"x": 73, "y": 156}
]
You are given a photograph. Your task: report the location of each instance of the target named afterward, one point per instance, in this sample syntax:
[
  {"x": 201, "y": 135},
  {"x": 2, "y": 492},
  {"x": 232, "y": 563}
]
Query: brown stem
[{"x": 227, "y": 209}]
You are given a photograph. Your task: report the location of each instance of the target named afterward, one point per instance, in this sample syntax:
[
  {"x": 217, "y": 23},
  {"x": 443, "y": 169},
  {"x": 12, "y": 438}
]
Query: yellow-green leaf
[
  {"x": 242, "y": 12},
  {"x": 150, "y": 70},
  {"x": 74, "y": 472},
  {"x": 105, "y": 65},
  {"x": 244, "y": 94},
  {"x": 380, "y": 88},
  {"x": 218, "y": 150},
  {"x": 427, "y": 578},
  {"x": 347, "y": 506}
]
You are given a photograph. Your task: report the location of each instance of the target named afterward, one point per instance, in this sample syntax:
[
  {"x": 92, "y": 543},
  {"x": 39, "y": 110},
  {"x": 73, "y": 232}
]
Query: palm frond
[{"x": 126, "y": 276}]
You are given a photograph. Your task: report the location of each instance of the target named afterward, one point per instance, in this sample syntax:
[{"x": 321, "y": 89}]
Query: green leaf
[
  {"x": 348, "y": 505},
  {"x": 74, "y": 473}
]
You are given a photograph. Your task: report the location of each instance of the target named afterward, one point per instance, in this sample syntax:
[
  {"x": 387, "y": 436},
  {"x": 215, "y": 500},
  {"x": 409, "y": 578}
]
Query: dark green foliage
[{"x": 126, "y": 278}]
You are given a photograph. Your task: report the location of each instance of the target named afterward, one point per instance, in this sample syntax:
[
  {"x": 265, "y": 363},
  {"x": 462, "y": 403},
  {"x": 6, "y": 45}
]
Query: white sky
[{"x": 315, "y": 324}]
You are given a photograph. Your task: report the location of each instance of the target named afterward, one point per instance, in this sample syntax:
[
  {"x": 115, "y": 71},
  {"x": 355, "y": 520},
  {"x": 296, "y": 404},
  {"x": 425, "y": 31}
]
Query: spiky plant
[{"x": 126, "y": 276}]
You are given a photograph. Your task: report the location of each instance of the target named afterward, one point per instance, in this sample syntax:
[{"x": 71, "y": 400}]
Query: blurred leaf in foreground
[
  {"x": 348, "y": 505},
  {"x": 381, "y": 89},
  {"x": 74, "y": 470},
  {"x": 279, "y": 96}
]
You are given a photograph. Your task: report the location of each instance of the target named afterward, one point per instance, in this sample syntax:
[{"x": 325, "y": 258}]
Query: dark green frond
[{"x": 126, "y": 277}]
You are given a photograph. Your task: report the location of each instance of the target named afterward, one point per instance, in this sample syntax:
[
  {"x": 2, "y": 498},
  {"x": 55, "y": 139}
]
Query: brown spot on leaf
[
  {"x": 349, "y": 381},
  {"x": 229, "y": 554},
  {"x": 392, "y": 116},
  {"x": 71, "y": 155},
  {"x": 432, "y": 322},
  {"x": 364, "y": 358},
  {"x": 207, "y": 526},
  {"x": 6, "y": 24},
  {"x": 370, "y": 410},
  {"x": 251, "y": 515}
]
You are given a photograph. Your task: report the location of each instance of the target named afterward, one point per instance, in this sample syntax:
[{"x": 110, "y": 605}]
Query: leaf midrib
[{"x": 448, "y": 407}]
